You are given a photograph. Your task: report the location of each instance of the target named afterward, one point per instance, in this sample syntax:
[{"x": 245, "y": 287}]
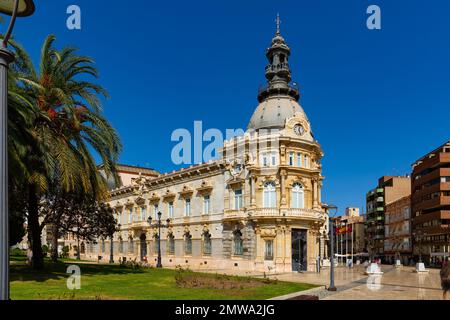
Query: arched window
[
  {"x": 83, "y": 248},
  {"x": 171, "y": 242},
  {"x": 270, "y": 195},
  {"x": 297, "y": 196},
  {"x": 207, "y": 243},
  {"x": 103, "y": 246},
  {"x": 238, "y": 243},
  {"x": 188, "y": 244}
]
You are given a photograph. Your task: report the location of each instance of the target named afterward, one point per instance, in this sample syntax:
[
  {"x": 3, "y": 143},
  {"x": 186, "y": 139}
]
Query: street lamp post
[
  {"x": 418, "y": 236},
  {"x": 18, "y": 8},
  {"x": 111, "y": 248},
  {"x": 159, "y": 225},
  {"x": 332, "y": 210}
]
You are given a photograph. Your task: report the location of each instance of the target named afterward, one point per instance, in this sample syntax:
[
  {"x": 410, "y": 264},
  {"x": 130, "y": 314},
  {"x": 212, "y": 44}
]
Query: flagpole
[
  {"x": 352, "y": 242},
  {"x": 346, "y": 243},
  {"x": 337, "y": 242},
  {"x": 342, "y": 246}
]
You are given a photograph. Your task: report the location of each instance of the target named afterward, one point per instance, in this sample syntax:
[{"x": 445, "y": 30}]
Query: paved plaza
[{"x": 352, "y": 284}]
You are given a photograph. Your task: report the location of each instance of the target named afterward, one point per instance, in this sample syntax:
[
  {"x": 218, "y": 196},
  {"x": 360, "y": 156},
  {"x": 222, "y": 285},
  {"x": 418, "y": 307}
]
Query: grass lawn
[{"x": 115, "y": 282}]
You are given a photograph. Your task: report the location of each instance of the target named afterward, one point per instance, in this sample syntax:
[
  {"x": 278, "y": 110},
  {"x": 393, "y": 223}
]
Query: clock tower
[{"x": 278, "y": 174}]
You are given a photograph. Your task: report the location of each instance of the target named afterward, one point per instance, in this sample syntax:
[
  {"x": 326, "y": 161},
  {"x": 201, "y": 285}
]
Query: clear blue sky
[{"x": 377, "y": 100}]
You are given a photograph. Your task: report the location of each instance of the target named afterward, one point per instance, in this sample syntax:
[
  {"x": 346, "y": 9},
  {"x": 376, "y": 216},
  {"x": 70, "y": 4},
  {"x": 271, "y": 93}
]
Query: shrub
[
  {"x": 45, "y": 250},
  {"x": 65, "y": 252},
  {"x": 18, "y": 252},
  {"x": 186, "y": 278}
]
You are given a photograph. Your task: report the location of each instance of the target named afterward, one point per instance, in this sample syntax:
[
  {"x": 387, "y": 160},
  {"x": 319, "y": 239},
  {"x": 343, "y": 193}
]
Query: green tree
[{"x": 64, "y": 120}]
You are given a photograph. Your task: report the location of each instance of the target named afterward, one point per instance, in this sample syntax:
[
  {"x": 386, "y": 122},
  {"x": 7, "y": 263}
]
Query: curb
[{"x": 313, "y": 291}]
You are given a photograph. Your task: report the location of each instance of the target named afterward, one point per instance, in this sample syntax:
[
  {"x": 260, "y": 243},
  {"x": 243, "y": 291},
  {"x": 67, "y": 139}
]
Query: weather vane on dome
[{"x": 278, "y": 24}]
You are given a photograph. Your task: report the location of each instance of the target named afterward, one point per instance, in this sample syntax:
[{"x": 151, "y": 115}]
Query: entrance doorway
[
  {"x": 299, "y": 250},
  {"x": 143, "y": 246}
]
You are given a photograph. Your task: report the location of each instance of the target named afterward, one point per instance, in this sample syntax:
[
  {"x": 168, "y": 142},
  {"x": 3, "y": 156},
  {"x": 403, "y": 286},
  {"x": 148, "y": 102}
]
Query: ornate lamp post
[
  {"x": 159, "y": 225},
  {"x": 332, "y": 210},
  {"x": 16, "y": 8}
]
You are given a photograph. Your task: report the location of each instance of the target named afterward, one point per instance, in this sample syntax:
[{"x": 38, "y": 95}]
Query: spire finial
[{"x": 278, "y": 24}]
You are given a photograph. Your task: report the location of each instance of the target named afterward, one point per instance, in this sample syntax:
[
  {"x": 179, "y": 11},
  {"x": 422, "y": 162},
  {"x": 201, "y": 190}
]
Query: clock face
[{"x": 299, "y": 130}]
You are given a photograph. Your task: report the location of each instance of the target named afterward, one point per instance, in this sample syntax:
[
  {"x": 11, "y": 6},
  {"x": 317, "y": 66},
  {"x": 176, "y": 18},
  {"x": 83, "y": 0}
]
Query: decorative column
[
  {"x": 252, "y": 192},
  {"x": 319, "y": 192},
  {"x": 283, "y": 188},
  {"x": 259, "y": 246},
  {"x": 279, "y": 246},
  {"x": 315, "y": 196}
]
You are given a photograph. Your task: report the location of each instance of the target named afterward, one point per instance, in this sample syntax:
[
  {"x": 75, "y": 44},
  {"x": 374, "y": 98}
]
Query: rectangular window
[
  {"x": 238, "y": 199},
  {"x": 187, "y": 207},
  {"x": 268, "y": 250},
  {"x": 265, "y": 162},
  {"x": 130, "y": 215},
  {"x": 207, "y": 245},
  {"x": 306, "y": 162},
  {"x": 274, "y": 159},
  {"x": 206, "y": 203},
  {"x": 170, "y": 213},
  {"x": 291, "y": 158},
  {"x": 155, "y": 211},
  {"x": 188, "y": 245},
  {"x": 299, "y": 160},
  {"x": 171, "y": 246},
  {"x": 143, "y": 213}
]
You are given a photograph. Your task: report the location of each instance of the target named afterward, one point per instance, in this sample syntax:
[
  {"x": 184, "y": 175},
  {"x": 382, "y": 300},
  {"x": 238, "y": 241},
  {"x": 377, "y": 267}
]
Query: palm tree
[{"x": 67, "y": 123}]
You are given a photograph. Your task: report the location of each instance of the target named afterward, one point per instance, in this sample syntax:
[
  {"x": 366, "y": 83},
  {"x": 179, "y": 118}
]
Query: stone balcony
[
  {"x": 235, "y": 214},
  {"x": 268, "y": 213},
  {"x": 139, "y": 225}
]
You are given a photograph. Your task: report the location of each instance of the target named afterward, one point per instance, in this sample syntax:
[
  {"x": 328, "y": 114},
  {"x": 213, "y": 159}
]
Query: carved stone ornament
[
  {"x": 139, "y": 200},
  {"x": 268, "y": 233}
]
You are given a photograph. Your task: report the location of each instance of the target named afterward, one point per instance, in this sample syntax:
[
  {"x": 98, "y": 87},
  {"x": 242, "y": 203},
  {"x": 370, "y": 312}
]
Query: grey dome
[{"x": 273, "y": 112}]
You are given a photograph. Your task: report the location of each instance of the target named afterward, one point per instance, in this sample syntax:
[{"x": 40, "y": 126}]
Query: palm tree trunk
[
  {"x": 55, "y": 242},
  {"x": 34, "y": 230}
]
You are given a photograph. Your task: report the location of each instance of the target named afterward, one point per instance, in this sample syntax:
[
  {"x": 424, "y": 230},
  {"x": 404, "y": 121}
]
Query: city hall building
[{"x": 257, "y": 208}]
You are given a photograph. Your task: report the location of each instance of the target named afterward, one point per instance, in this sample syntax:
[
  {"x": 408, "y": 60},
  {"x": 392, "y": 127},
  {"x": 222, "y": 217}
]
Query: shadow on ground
[{"x": 55, "y": 271}]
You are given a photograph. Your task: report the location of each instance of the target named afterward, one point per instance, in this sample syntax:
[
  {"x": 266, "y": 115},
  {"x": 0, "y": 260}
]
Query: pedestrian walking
[{"x": 445, "y": 279}]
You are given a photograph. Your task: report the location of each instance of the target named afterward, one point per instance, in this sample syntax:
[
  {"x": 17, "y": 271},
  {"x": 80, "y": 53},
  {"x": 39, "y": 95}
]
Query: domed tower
[
  {"x": 279, "y": 99},
  {"x": 278, "y": 73},
  {"x": 274, "y": 176}
]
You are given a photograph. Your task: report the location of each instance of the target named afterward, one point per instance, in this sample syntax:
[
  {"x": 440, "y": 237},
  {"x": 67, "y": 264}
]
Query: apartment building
[
  {"x": 388, "y": 190},
  {"x": 430, "y": 203},
  {"x": 398, "y": 242}
]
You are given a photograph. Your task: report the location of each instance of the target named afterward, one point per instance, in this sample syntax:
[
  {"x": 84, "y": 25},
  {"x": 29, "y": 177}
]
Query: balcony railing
[
  {"x": 139, "y": 224},
  {"x": 235, "y": 213},
  {"x": 293, "y": 212}
]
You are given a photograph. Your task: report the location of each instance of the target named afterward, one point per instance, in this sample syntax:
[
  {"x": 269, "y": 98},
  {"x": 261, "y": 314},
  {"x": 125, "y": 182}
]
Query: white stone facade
[{"x": 257, "y": 208}]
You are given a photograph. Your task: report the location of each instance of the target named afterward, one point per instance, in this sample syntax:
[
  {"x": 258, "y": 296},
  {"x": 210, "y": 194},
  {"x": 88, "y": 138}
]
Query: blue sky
[{"x": 377, "y": 100}]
